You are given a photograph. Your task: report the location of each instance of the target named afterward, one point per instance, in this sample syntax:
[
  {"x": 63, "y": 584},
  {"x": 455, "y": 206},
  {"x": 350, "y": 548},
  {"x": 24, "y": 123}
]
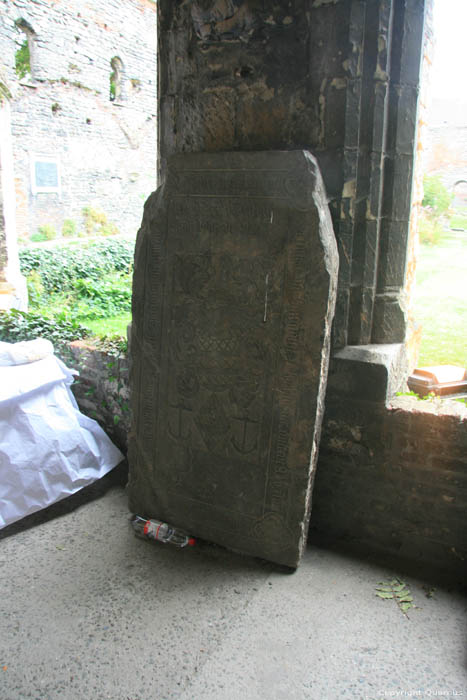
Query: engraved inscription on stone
[{"x": 234, "y": 286}]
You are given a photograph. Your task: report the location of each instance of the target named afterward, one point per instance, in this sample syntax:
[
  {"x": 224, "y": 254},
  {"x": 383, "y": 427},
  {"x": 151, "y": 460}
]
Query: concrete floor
[{"x": 88, "y": 612}]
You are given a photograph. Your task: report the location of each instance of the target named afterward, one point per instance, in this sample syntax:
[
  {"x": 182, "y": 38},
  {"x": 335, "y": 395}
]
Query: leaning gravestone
[{"x": 233, "y": 298}]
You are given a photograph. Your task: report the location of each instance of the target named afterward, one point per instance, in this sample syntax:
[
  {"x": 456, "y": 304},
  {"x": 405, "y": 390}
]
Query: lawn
[
  {"x": 115, "y": 325},
  {"x": 441, "y": 300}
]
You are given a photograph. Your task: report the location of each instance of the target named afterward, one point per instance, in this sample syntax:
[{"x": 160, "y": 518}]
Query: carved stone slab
[{"x": 233, "y": 298}]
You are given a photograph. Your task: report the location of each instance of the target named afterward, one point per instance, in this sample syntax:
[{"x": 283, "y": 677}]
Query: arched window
[
  {"x": 25, "y": 52},
  {"x": 116, "y": 79}
]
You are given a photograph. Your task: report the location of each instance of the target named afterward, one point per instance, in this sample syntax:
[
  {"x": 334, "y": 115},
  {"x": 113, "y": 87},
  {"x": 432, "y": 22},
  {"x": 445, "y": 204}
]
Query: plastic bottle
[{"x": 163, "y": 532}]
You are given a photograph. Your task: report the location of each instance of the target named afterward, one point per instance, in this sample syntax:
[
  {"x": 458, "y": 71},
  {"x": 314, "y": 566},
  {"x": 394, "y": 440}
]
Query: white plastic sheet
[{"x": 48, "y": 449}]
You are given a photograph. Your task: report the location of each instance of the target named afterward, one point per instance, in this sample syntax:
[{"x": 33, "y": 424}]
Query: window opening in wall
[
  {"x": 116, "y": 79},
  {"x": 440, "y": 298},
  {"x": 23, "y": 53}
]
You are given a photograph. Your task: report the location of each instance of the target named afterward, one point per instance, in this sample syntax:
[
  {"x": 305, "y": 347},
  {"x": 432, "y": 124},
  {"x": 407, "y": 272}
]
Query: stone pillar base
[{"x": 368, "y": 372}]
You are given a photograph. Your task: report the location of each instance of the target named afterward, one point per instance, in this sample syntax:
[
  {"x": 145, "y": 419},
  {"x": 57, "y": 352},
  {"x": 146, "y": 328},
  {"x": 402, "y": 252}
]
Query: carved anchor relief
[
  {"x": 178, "y": 434},
  {"x": 246, "y": 445}
]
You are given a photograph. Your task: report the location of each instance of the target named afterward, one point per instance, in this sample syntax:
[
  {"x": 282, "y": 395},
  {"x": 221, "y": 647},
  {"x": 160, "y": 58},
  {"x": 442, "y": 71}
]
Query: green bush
[
  {"x": 436, "y": 196},
  {"x": 101, "y": 299},
  {"x": 108, "y": 229},
  {"x": 69, "y": 228},
  {"x": 73, "y": 284},
  {"x": 61, "y": 267},
  {"x": 430, "y": 229},
  {"x": 35, "y": 288},
  {"x": 96, "y": 223},
  {"x": 47, "y": 231},
  {"x": 19, "y": 325},
  {"x": 38, "y": 237}
]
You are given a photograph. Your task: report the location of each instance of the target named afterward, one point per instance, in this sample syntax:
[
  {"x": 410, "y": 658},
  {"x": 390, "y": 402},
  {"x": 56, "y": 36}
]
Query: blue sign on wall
[{"x": 46, "y": 175}]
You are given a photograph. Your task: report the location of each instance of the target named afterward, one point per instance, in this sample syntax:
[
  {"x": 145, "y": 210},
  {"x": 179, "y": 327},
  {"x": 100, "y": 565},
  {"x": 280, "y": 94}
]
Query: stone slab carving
[{"x": 233, "y": 298}]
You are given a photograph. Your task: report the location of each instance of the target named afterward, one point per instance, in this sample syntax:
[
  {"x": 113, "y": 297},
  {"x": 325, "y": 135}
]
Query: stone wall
[
  {"x": 393, "y": 480},
  {"x": 101, "y": 389},
  {"x": 106, "y": 149}
]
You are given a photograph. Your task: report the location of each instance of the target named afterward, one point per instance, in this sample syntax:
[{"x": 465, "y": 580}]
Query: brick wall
[
  {"x": 394, "y": 479},
  {"x": 106, "y": 149},
  {"x": 101, "y": 389}
]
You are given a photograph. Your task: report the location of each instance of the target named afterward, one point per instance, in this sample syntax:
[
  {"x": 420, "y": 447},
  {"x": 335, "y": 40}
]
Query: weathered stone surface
[
  {"x": 337, "y": 77},
  {"x": 234, "y": 292}
]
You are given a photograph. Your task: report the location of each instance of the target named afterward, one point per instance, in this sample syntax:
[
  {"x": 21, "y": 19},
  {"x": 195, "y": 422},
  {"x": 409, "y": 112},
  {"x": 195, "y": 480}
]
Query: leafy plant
[
  {"x": 96, "y": 223},
  {"x": 35, "y": 288},
  {"x": 436, "y": 195},
  {"x": 112, "y": 344},
  {"x": 93, "y": 218},
  {"x": 430, "y": 227},
  {"x": 61, "y": 267},
  {"x": 48, "y": 232},
  {"x": 69, "y": 228},
  {"x": 396, "y": 590},
  {"x": 38, "y": 237},
  {"x": 102, "y": 299},
  {"x": 108, "y": 229},
  {"x": 18, "y": 325},
  {"x": 23, "y": 60}
]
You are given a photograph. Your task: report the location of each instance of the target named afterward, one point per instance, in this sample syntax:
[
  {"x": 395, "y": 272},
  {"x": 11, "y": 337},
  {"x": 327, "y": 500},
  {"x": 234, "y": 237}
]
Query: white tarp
[{"x": 48, "y": 449}]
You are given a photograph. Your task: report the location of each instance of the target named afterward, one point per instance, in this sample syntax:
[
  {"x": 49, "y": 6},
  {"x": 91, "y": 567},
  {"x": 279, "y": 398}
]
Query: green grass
[
  {"x": 441, "y": 301},
  {"x": 459, "y": 220},
  {"x": 115, "y": 325}
]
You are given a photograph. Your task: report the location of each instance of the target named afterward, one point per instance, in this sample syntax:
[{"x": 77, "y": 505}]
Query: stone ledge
[
  {"x": 367, "y": 372},
  {"x": 434, "y": 406}
]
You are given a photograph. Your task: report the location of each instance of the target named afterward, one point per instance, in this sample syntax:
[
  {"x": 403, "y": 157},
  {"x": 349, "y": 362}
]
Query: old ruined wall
[{"x": 106, "y": 149}]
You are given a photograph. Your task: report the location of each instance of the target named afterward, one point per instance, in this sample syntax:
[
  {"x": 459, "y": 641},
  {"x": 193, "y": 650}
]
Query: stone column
[
  {"x": 337, "y": 78},
  {"x": 13, "y": 290},
  {"x": 390, "y": 317}
]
